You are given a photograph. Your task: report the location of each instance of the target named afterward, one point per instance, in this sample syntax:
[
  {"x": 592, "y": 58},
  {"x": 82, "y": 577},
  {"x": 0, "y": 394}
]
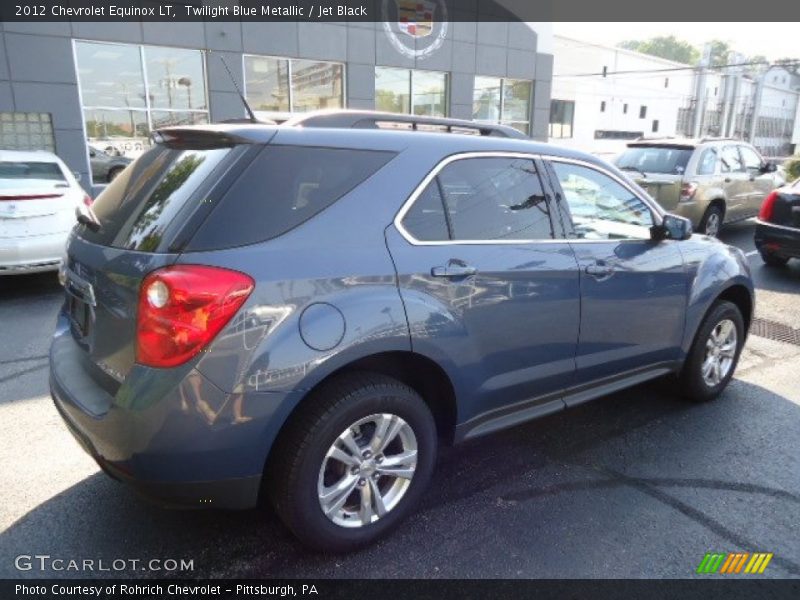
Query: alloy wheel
[
  {"x": 367, "y": 470},
  {"x": 720, "y": 353},
  {"x": 712, "y": 224}
]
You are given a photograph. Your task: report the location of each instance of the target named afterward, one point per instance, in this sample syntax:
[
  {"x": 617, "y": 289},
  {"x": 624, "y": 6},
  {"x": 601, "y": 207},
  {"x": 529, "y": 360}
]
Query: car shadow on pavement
[{"x": 641, "y": 465}]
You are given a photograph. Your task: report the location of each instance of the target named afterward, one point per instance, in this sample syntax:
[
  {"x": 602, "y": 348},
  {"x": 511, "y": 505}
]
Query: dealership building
[{"x": 81, "y": 87}]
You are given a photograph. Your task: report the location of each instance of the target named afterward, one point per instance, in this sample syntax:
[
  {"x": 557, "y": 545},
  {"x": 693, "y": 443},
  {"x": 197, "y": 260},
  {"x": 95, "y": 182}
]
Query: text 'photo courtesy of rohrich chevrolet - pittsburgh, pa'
[{"x": 298, "y": 298}]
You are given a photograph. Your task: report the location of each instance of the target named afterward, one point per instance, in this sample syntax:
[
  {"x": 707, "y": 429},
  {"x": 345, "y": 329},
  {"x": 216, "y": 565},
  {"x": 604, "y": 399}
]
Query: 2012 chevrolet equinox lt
[{"x": 303, "y": 311}]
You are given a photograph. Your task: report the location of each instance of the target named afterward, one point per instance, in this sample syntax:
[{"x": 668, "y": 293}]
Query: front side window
[
  {"x": 292, "y": 85},
  {"x": 482, "y": 199},
  {"x": 601, "y": 207},
  {"x": 504, "y": 101},
  {"x": 731, "y": 161},
  {"x": 409, "y": 91},
  {"x": 752, "y": 161}
]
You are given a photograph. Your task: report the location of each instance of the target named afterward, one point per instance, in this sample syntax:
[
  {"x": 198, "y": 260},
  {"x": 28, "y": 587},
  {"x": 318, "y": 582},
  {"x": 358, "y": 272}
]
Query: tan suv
[{"x": 710, "y": 181}]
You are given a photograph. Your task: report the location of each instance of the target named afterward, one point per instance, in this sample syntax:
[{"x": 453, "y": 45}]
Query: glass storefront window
[
  {"x": 129, "y": 90},
  {"x": 392, "y": 90},
  {"x": 267, "y": 83},
  {"x": 292, "y": 85},
  {"x": 316, "y": 85},
  {"x": 175, "y": 78},
  {"x": 504, "y": 101},
  {"x": 411, "y": 91}
]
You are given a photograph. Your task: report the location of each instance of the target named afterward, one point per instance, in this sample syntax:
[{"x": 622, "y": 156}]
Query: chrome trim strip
[{"x": 505, "y": 154}]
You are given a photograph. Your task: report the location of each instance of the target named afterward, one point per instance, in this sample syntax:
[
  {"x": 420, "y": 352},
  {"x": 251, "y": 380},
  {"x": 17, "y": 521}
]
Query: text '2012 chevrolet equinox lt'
[{"x": 302, "y": 312}]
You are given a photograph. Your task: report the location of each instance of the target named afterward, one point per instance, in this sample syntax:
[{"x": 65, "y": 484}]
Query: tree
[
  {"x": 668, "y": 47},
  {"x": 719, "y": 53},
  {"x": 790, "y": 64}
]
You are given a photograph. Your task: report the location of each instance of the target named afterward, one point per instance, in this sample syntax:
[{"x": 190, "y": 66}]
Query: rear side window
[
  {"x": 136, "y": 208},
  {"x": 283, "y": 187},
  {"x": 707, "y": 163}
]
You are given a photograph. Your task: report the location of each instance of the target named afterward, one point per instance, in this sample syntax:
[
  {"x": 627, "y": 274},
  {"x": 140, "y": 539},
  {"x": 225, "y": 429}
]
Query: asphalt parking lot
[{"x": 638, "y": 484}]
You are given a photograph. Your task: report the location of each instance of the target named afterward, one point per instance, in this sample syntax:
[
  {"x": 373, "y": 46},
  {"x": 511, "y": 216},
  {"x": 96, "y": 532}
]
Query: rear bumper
[
  {"x": 32, "y": 254},
  {"x": 180, "y": 444},
  {"x": 777, "y": 240}
]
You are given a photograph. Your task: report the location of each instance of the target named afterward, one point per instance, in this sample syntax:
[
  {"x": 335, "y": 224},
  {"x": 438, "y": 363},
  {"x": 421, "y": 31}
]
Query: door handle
[
  {"x": 727, "y": 180},
  {"x": 454, "y": 269},
  {"x": 599, "y": 270}
]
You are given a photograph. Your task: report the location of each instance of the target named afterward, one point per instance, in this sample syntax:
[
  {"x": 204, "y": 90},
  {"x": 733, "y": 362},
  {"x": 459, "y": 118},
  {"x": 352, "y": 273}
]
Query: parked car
[
  {"x": 106, "y": 167},
  {"x": 710, "y": 181},
  {"x": 303, "y": 311},
  {"x": 777, "y": 233},
  {"x": 38, "y": 197}
]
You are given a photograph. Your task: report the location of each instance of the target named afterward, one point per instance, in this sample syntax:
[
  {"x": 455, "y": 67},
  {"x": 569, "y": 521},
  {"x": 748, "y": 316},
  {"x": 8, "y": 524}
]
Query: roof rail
[
  {"x": 367, "y": 119},
  {"x": 711, "y": 138}
]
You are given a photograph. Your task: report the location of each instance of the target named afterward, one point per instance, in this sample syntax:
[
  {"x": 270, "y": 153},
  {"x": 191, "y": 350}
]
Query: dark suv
[{"x": 303, "y": 311}]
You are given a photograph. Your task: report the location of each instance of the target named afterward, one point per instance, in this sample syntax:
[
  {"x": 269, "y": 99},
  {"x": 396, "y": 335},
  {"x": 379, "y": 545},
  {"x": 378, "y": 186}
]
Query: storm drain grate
[{"x": 772, "y": 330}]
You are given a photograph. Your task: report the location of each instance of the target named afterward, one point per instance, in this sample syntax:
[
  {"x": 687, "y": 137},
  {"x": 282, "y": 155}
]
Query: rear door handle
[{"x": 454, "y": 269}]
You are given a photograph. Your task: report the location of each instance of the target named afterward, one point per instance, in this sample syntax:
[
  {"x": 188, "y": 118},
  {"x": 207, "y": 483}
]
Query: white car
[{"x": 38, "y": 198}]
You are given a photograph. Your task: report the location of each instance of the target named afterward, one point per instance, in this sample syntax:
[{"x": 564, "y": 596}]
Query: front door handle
[
  {"x": 453, "y": 269},
  {"x": 599, "y": 270}
]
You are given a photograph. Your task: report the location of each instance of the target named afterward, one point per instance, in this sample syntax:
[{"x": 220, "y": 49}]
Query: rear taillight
[
  {"x": 182, "y": 308},
  {"x": 687, "y": 191},
  {"x": 768, "y": 206},
  {"x": 87, "y": 200}
]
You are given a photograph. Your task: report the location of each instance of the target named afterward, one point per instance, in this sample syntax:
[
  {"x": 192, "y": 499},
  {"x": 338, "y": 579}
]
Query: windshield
[
  {"x": 18, "y": 174},
  {"x": 655, "y": 159}
]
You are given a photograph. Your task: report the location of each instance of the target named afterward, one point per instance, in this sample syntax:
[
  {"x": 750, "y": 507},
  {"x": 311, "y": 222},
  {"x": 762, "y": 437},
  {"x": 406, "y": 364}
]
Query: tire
[
  {"x": 773, "y": 261},
  {"x": 112, "y": 174},
  {"x": 301, "y": 468},
  {"x": 711, "y": 222},
  {"x": 694, "y": 385}
]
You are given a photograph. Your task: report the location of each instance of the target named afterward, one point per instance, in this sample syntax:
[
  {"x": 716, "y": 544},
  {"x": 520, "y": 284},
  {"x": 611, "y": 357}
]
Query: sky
[{"x": 772, "y": 40}]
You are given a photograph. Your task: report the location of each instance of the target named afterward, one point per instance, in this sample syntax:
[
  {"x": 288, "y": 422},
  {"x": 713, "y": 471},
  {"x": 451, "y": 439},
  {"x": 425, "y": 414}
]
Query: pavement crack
[
  {"x": 647, "y": 487},
  {"x": 10, "y": 361},
  {"x": 23, "y": 372}
]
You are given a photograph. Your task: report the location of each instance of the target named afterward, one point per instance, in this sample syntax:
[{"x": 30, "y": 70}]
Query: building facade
[
  {"x": 604, "y": 96},
  {"x": 77, "y": 87}
]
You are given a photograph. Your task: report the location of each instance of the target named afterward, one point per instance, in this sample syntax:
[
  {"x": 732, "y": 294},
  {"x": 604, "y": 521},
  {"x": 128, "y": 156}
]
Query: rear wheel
[
  {"x": 772, "y": 260},
  {"x": 711, "y": 222},
  {"x": 354, "y": 463},
  {"x": 714, "y": 353}
]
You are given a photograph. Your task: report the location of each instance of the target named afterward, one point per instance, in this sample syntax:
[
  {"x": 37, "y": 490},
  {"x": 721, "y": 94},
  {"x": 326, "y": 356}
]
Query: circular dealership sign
[{"x": 416, "y": 28}]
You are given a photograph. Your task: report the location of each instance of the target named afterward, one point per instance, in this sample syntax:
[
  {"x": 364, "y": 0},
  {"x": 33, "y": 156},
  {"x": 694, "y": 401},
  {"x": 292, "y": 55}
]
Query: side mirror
[
  {"x": 769, "y": 167},
  {"x": 672, "y": 227}
]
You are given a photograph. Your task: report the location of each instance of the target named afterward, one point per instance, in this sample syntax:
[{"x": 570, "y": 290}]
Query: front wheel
[
  {"x": 712, "y": 221},
  {"x": 714, "y": 353},
  {"x": 354, "y": 462}
]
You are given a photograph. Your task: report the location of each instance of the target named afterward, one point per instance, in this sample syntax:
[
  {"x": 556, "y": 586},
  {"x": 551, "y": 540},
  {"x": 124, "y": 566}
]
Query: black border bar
[{"x": 386, "y": 10}]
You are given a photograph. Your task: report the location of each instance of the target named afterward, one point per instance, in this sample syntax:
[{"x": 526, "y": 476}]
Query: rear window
[
  {"x": 16, "y": 173},
  {"x": 136, "y": 208},
  {"x": 283, "y": 187},
  {"x": 655, "y": 159}
]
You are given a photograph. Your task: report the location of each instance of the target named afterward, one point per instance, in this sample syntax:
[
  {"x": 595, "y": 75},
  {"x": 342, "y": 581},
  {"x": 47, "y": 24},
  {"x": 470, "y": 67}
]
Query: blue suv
[{"x": 303, "y": 312}]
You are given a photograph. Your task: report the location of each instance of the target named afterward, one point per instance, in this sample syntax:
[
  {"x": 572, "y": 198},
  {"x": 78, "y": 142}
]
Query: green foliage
[
  {"x": 792, "y": 166},
  {"x": 668, "y": 47}
]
